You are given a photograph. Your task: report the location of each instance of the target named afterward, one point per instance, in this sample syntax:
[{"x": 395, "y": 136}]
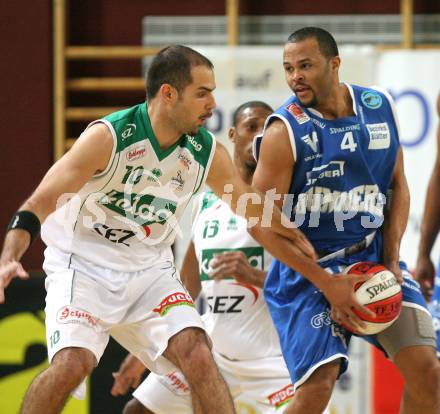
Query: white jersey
[
  {"x": 237, "y": 320},
  {"x": 126, "y": 217}
]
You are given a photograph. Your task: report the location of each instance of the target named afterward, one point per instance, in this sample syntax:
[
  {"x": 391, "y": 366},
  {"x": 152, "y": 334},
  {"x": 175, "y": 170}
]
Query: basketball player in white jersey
[
  {"x": 229, "y": 267},
  {"x": 124, "y": 185}
]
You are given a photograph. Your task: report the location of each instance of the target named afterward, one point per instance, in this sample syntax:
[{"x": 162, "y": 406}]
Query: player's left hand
[
  {"x": 234, "y": 264},
  {"x": 425, "y": 274}
]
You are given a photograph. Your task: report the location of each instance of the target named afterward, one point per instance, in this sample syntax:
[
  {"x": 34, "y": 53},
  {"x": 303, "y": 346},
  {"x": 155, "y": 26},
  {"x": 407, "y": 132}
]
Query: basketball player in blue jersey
[
  {"x": 109, "y": 264},
  {"x": 333, "y": 150},
  {"x": 425, "y": 269}
]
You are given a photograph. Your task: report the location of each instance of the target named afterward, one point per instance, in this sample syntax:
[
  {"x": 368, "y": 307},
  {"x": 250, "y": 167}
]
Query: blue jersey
[
  {"x": 343, "y": 167},
  {"x": 343, "y": 170}
]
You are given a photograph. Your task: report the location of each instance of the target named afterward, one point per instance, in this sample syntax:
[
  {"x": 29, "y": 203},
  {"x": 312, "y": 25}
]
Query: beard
[{"x": 312, "y": 103}]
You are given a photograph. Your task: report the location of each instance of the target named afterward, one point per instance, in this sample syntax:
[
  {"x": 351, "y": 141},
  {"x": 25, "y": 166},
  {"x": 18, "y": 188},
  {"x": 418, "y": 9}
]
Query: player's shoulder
[
  {"x": 124, "y": 114},
  {"x": 97, "y": 135},
  {"x": 128, "y": 126}
]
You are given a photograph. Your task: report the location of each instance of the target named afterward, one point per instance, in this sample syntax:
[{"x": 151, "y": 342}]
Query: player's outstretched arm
[
  {"x": 425, "y": 269},
  {"x": 396, "y": 218},
  {"x": 275, "y": 170},
  {"x": 89, "y": 155},
  {"x": 190, "y": 274},
  {"x": 248, "y": 202}
]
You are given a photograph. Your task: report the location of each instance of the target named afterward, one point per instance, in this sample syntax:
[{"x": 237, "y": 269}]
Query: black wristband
[{"x": 26, "y": 220}]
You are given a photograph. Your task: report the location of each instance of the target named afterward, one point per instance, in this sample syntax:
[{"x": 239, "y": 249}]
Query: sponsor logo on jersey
[
  {"x": 154, "y": 175},
  {"x": 69, "y": 314},
  {"x": 177, "y": 182},
  {"x": 144, "y": 209},
  {"x": 281, "y": 397},
  {"x": 185, "y": 160},
  {"x": 173, "y": 300},
  {"x": 225, "y": 304},
  {"x": 255, "y": 256},
  {"x": 232, "y": 224},
  {"x": 197, "y": 146},
  {"x": 136, "y": 153},
  {"x": 318, "y": 123},
  {"x": 175, "y": 382},
  {"x": 311, "y": 141},
  {"x": 380, "y": 136},
  {"x": 371, "y": 99},
  {"x": 313, "y": 157},
  {"x": 320, "y": 320},
  {"x": 300, "y": 116},
  {"x": 117, "y": 236},
  {"x": 355, "y": 127},
  {"x": 331, "y": 170},
  {"x": 362, "y": 198},
  {"x": 128, "y": 131}
]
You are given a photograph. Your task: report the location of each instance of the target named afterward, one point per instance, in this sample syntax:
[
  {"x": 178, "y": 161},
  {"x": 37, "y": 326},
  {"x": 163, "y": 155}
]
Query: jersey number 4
[{"x": 348, "y": 142}]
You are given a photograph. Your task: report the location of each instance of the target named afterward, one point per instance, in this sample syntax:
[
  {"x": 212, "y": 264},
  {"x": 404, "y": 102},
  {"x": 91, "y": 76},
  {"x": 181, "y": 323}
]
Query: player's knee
[
  {"x": 313, "y": 396},
  {"x": 71, "y": 366},
  {"x": 135, "y": 407},
  {"x": 193, "y": 351}
]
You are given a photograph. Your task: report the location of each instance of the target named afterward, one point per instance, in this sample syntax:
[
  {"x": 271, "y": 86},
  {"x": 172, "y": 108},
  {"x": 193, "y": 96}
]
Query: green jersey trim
[
  {"x": 129, "y": 126},
  {"x": 133, "y": 125},
  {"x": 208, "y": 199},
  {"x": 208, "y": 164}
]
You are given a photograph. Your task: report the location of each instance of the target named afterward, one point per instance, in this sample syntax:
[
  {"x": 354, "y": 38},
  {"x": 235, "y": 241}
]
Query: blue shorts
[
  {"x": 434, "y": 308},
  {"x": 301, "y": 314}
]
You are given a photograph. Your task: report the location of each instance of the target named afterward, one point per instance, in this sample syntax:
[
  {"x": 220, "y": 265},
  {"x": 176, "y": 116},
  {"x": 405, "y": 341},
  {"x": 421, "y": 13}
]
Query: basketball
[{"x": 381, "y": 294}]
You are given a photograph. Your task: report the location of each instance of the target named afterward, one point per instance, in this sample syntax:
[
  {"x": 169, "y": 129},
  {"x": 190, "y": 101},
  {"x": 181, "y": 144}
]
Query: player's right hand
[
  {"x": 424, "y": 274},
  {"x": 129, "y": 375},
  {"x": 9, "y": 270},
  {"x": 339, "y": 291}
]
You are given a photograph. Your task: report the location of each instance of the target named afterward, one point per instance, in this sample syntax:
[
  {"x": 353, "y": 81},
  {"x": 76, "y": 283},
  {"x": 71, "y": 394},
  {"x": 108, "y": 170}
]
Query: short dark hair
[
  {"x": 173, "y": 65},
  {"x": 251, "y": 104},
  {"x": 327, "y": 43}
]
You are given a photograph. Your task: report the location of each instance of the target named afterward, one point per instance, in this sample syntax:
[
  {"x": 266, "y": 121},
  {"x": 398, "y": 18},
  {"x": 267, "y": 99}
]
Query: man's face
[
  {"x": 250, "y": 122},
  {"x": 196, "y": 101},
  {"x": 308, "y": 72}
]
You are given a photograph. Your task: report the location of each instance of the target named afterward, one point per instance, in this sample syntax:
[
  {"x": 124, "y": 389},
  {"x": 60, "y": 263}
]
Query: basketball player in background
[
  {"x": 335, "y": 148},
  {"x": 229, "y": 267},
  {"x": 425, "y": 269}
]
